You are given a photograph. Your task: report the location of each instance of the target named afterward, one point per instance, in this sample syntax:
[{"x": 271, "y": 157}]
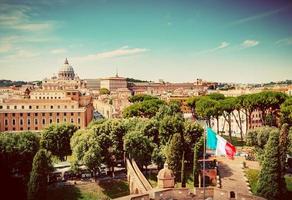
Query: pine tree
[
  {"x": 283, "y": 149},
  {"x": 38, "y": 177},
  {"x": 268, "y": 184},
  {"x": 198, "y": 149}
]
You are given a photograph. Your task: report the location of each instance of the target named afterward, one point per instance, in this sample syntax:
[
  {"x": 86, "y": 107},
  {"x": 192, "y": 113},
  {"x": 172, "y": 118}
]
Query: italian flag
[{"x": 218, "y": 143}]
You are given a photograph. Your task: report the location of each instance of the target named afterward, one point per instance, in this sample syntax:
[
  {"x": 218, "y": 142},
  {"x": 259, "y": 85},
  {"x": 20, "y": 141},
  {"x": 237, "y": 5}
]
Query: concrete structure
[
  {"x": 67, "y": 79},
  {"x": 165, "y": 178},
  {"x": 60, "y": 100},
  {"x": 36, "y": 114},
  {"x": 113, "y": 83}
]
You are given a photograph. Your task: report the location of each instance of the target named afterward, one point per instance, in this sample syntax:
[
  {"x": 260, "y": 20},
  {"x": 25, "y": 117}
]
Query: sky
[{"x": 243, "y": 41}]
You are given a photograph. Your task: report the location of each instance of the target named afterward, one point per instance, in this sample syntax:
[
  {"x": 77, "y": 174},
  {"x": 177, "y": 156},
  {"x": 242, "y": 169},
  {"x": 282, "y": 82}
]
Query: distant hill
[
  {"x": 287, "y": 82},
  {"x": 7, "y": 83}
]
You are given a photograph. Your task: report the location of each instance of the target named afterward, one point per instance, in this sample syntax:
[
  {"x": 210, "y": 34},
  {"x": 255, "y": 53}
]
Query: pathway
[{"x": 232, "y": 176}]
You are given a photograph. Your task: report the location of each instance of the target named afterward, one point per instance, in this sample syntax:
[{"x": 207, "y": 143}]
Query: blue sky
[{"x": 175, "y": 40}]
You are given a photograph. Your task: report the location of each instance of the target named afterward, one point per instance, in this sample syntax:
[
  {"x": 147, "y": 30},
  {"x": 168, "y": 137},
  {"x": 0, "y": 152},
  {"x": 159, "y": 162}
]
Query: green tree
[
  {"x": 269, "y": 185},
  {"x": 191, "y": 102},
  {"x": 39, "y": 174},
  {"x": 198, "y": 149},
  {"x": 138, "y": 147},
  {"x": 205, "y": 108},
  {"x": 146, "y": 108},
  {"x": 56, "y": 139},
  {"x": 173, "y": 154},
  {"x": 86, "y": 150},
  {"x": 140, "y": 98},
  {"x": 286, "y": 112},
  {"x": 228, "y": 105},
  {"x": 104, "y": 91},
  {"x": 283, "y": 150}
]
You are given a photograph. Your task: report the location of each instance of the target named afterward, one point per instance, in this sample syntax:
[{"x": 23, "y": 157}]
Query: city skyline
[{"x": 177, "y": 41}]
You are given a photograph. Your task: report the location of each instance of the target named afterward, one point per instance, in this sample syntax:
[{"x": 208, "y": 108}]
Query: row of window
[
  {"x": 43, "y": 114},
  {"x": 37, "y": 107},
  {"x": 36, "y": 121}
]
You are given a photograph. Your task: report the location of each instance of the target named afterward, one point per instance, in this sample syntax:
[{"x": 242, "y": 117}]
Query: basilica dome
[{"x": 66, "y": 72}]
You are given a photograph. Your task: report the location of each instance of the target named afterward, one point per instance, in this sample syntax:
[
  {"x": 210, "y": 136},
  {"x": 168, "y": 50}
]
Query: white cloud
[
  {"x": 222, "y": 45},
  {"x": 284, "y": 42},
  {"x": 259, "y": 16},
  {"x": 17, "y": 17},
  {"x": 249, "y": 43},
  {"x": 123, "y": 51},
  {"x": 58, "y": 51}
]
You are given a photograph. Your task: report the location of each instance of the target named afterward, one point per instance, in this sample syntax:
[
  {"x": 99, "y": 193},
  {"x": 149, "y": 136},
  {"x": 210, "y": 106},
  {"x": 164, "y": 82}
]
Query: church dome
[{"x": 66, "y": 72}]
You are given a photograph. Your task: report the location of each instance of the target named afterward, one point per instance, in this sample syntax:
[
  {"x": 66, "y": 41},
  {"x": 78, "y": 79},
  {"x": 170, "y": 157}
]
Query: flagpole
[{"x": 204, "y": 160}]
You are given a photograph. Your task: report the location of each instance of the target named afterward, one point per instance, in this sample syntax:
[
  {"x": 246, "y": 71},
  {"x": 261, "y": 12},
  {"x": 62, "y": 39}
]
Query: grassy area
[
  {"x": 189, "y": 180},
  {"x": 288, "y": 180},
  {"x": 252, "y": 176},
  {"x": 89, "y": 191},
  {"x": 152, "y": 178}
]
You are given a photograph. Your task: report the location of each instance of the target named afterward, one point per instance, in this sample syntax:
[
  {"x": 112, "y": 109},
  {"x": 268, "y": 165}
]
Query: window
[
  {"x": 15, "y": 107},
  {"x": 72, "y": 120},
  {"x": 51, "y": 121},
  {"x": 59, "y": 107},
  {"x": 36, "y": 121},
  {"x": 58, "y": 114},
  {"x": 22, "y": 107},
  {"x": 1, "y": 107},
  {"x": 37, "y": 107},
  {"x": 21, "y": 122},
  {"x": 78, "y": 120},
  {"x": 65, "y": 120},
  {"x": 65, "y": 114},
  {"x": 21, "y": 114},
  {"x": 13, "y": 122},
  {"x": 52, "y": 107},
  {"x": 28, "y": 122},
  {"x": 6, "y": 114},
  {"x": 13, "y": 128},
  {"x": 36, "y": 114},
  {"x": 36, "y": 128},
  {"x": 44, "y": 121},
  {"x": 6, "y": 122},
  {"x": 65, "y": 107},
  {"x": 30, "y": 107},
  {"x": 13, "y": 114},
  {"x": 72, "y": 114},
  {"x": 8, "y": 107},
  {"x": 58, "y": 120},
  {"x": 21, "y": 129},
  {"x": 51, "y": 114},
  {"x": 43, "y": 114},
  {"x": 28, "y": 114}
]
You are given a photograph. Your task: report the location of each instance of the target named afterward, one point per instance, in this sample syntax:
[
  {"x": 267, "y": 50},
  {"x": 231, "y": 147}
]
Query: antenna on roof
[{"x": 117, "y": 72}]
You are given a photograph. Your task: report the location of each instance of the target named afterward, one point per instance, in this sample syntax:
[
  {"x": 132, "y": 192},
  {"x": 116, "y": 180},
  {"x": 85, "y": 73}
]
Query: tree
[
  {"x": 205, "y": 108},
  {"x": 104, "y": 91},
  {"x": 228, "y": 105},
  {"x": 56, "y": 139},
  {"x": 283, "y": 150},
  {"x": 38, "y": 177},
  {"x": 286, "y": 112},
  {"x": 269, "y": 182},
  {"x": 140, "y": 98},
  {"x": 146, "y": 108},
  {"x": 198, "y": 149},
  {"x": 138, "y": 147},
  {"x": 191, "y": 102},
  {"x": 173, "y": 154},
  {"x": 17, "y": 151},
  {"x": 86, "y": 150}
]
